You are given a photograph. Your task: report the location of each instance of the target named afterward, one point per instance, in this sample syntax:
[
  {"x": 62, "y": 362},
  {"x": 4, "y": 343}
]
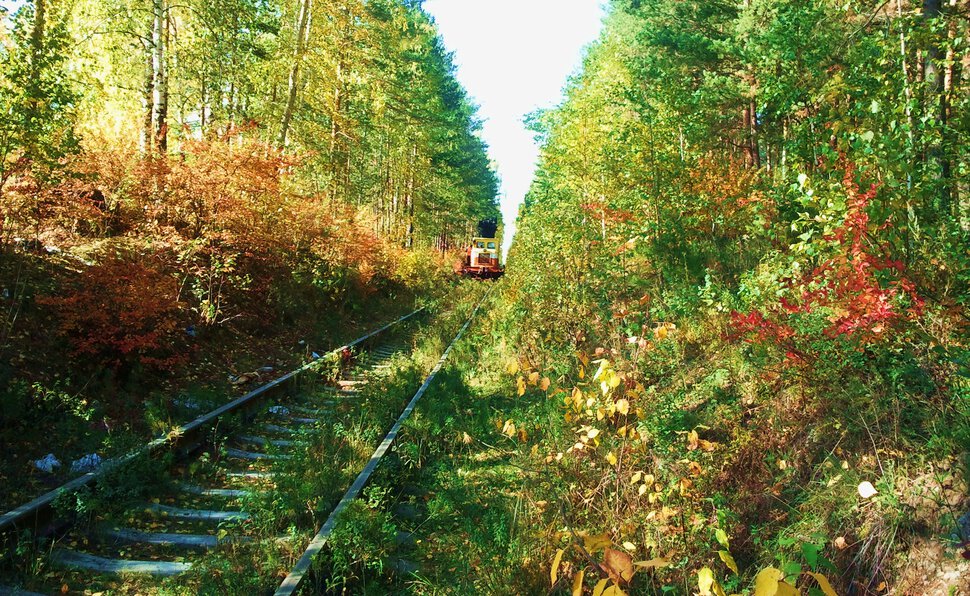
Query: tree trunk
[
  {"x": 160, "y": 95},
  {"x": 410, "y": 200},
  {"x": 301, "y": 36},
  {"x": 37, "y": 34}
]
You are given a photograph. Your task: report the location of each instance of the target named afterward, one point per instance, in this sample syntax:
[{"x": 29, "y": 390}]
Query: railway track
[{"x": 240, "y": 455}]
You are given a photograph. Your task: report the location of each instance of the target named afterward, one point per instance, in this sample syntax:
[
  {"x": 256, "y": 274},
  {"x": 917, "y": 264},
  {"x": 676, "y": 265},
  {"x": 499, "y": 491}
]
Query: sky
[{"x": 515, "y": 56}]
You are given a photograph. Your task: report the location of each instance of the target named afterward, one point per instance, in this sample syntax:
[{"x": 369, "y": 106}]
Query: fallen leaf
[
  {"x": 554, "y": 572},
  {"x": 594, "y": 544},
  {"x": 578, "y": 583},
  {"x": 657, "y": 563},
  {"x": 545, "y": 384},
  {"x": 840, "y": 543},
  {"x": 509, "y": 429},
  {"x": 823, "y": 584},
  {"x": 600, "y": 586},
  {"x": 618, "y": 565}
]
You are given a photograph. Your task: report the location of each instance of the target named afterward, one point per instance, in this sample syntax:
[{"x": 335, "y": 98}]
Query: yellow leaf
[
  {"x": 657, "y": 563},
  {"x": 692, "y": 440},
  {"x": 623, "y": 407},
  {"x": 642, "y": 490},
  {"x": 578, "y": 399},
  {"x": 823, "y": 584},
  {"x": 513, "y": 367},
  {"x": 594, "y": 544},
  {"x": 728, "y": 560},
  {"x": 706, "y": 445},
  {"x": 545, "y": 384},
  {"x": 630, "y": 546},
  {"x": 554, "y": 572},
  {"x": 521, "y": 386},
  {"x": 578, "y": 583},
  {"x": 705, "y": 581},
  {"x": 582, "y": 372},
  {"x": 593, "y": 433},
  {"x": 785, "y": 589},
  {"x": 600, "y": 586},
  {"x": 509, "y": 429},
  {"x": 766, "y": 583},
  {"x": 614, "y": 590},
  {"x": 610, "y": 457},
  {"x": 636, "y": 477},
  {"x": 533, "y": 378}
]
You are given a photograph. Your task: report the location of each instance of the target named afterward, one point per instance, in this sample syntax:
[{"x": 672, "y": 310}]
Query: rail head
[{"x": 33, "y": 509}]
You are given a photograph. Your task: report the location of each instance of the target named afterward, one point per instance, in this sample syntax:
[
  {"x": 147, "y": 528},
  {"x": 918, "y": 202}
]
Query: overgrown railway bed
[{"x": 217, "y": 469}]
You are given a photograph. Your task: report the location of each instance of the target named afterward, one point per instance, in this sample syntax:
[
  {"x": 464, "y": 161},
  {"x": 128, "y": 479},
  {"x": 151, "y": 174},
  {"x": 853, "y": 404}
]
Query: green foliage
[
  {"x": 732, "y": 261},
  {"x": 36, "y": 97}
]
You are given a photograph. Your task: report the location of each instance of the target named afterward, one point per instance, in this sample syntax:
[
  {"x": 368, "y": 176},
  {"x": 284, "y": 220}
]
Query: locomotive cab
[{"x": 482, "y": 259}]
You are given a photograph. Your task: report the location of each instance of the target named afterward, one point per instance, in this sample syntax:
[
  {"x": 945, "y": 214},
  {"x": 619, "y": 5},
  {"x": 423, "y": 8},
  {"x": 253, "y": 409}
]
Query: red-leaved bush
[
  {"x": 122, "y": 313},
  {"x": 845, "y": 284}
]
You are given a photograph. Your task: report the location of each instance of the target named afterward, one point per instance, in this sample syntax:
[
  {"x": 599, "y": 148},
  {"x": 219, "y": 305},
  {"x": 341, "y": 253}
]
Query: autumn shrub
[
  {"x": 422, "y": 272},
  {"x": 123, "y": 314}
]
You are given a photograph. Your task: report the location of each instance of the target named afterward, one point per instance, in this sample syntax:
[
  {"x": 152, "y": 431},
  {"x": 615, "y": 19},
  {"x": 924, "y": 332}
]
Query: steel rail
[
  {"x": 304, "y": 564},
  {"x": 44, "y": 503}
]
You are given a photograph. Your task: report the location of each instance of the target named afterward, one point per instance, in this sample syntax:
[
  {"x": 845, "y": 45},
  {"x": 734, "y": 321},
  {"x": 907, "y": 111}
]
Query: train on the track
[{"x": 481, "y": 260}]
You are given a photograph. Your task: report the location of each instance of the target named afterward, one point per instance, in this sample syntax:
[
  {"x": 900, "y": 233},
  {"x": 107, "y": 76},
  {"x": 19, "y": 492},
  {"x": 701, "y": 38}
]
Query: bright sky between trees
[{"x": 514, "y": 56}]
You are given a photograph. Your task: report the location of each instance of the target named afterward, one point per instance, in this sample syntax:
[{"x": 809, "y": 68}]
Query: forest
[
  {"x": 730, "y": 354},
  {"x": 177, "y": 178},
  {"x": 752, "y": 224}
]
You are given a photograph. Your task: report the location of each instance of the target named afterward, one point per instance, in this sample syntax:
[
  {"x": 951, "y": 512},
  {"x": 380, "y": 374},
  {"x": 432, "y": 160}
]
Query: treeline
[
  {"x": 237, "y": 160},
  {"x": 746, "y": 256},
  {"x": 364, "y": 91}
]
